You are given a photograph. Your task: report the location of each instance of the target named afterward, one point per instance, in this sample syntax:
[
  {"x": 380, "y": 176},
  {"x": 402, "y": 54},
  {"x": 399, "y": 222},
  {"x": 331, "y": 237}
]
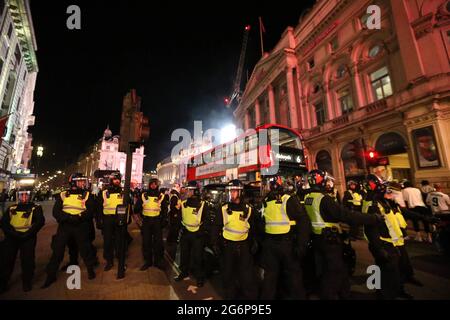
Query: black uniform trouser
[
  {"x": 152, "y": 243},
  {"x": 238, "y": 271},
  {"x": 73, "y": 248},
  {"x": 174, "y": 229},
  {"x": 110, "y": 237},
  {"x": 331, "y": 268},
  {"x": 66, "y": 231},
  {"x": 390, "y": 272},
  {"x": 406, "y": 269},
  {"x": 191, "y": 253},
  {"x": 27, "y": 258},
  {"x": 279, "y": 263}
]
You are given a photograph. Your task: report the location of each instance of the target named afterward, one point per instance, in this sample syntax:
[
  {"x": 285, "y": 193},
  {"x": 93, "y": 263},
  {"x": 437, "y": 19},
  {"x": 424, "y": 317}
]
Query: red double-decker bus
[{"x": 266, "y": 151}]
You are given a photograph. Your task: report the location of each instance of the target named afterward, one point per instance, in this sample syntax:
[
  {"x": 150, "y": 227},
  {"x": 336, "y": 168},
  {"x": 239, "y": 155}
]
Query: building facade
[
  {"x": 18, "y": 66},
  {"x": 350, "y": 88}
]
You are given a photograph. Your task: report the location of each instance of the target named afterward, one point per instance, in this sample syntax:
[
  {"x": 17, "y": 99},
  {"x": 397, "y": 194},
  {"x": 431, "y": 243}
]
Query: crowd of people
[{"x": 293, "y": 243}]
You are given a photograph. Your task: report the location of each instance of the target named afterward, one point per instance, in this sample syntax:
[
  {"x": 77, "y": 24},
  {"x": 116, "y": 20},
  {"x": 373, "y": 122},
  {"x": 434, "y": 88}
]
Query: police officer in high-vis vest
[
  {"x": 353, "y": 201},
  {"x": 385, "y": 238},
  {"x": 149, "y": 207},
  {"x": 73, "y": 210},
  {"x": 238, "y": 238},
  {"x": 107, "y": 220},
  {"x": 325, "y": 215},
  {"x": 194, "y": 213},
  {"x": 286, "y": 232},
  {"x": 20, "y": 223}
]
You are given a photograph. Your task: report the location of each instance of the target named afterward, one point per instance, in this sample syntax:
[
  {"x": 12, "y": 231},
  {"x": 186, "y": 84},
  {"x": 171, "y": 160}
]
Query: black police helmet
[
  {"x": 374, "y": 183},
  {"x": 317, "y": 179}
]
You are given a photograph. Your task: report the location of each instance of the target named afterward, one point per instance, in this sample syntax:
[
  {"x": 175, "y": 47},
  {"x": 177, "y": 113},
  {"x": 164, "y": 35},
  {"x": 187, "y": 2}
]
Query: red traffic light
[
  {"x": 247, "y": 27},
  {"x": 227, "y": 101},
  {"x": 372, "y": 155}
]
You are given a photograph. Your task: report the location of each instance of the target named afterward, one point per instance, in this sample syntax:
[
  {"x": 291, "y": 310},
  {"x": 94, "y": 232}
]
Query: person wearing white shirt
[
  {"x": 414, "y": 201},
  {"x": 438, "y": 201}
]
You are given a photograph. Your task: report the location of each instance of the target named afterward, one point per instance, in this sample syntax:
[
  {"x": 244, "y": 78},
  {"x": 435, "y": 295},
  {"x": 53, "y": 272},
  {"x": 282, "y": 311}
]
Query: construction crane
[{"x": 237, "y": 92}]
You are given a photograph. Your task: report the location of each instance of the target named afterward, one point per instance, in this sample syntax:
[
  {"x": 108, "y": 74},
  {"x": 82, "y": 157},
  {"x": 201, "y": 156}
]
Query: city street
[{"x": 431, "y": 268}]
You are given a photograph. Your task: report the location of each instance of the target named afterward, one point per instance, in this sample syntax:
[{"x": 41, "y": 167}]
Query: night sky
[{"x": 180, "y": 56}]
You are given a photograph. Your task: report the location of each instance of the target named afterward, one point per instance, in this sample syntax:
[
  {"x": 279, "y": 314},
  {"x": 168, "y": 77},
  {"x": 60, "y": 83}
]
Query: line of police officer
[{"x": 277, "y": 239}]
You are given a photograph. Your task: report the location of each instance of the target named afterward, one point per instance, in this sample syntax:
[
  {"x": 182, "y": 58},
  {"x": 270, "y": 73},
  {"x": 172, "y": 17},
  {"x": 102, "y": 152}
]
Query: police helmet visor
[{"x": 24, "y": 196}]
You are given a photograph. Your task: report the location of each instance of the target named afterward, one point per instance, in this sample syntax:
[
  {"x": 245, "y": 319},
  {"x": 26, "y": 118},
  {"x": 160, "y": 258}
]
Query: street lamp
[{"x": 40, "y": 151}]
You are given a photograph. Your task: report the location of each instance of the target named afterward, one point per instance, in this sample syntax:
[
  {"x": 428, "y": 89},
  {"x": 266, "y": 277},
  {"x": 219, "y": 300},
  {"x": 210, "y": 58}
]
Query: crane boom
[{"x": 236, "y": 95}]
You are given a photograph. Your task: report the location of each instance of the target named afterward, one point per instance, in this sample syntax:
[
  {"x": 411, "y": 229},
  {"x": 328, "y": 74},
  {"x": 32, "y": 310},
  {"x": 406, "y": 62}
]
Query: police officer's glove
[{"x": 254, "y": 247}]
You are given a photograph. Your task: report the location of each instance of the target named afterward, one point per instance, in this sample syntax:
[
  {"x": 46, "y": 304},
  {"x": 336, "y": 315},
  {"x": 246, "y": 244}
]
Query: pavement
[{"x": 431, "y": 268}]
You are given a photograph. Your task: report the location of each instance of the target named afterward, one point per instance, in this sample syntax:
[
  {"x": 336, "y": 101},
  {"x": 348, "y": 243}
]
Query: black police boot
[
  {"x": 48, "y": 282},
  {"x": 91, "y": 273},
  {"x": 161, "y": 265},
  {"x": 3, "y": 287},
  {"x": 26, "y": 286},
  {"x": 146, "y": 266},
  {"x": 109, "y": 265},
  {"x": 121, "y": 274},
  {"x": 200, "y": 283},
  {"x": 64, "y": 267},
  {"x": 181, "y": 276},
  {"x": 414, "y": 281}
]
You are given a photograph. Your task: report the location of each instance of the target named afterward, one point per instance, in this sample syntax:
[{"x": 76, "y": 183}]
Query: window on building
[
  {"x": 10, "y": 30},
  {"x": 345, "y": 101},
  {"x": 374, "y": 51},
  {"x": 381, "y": 83},
  {"x": 448, "y": 35},
  {"x": 320, "y": 113},
  {"x": 17, "y": 54},
  {"x": 316, "y": 88},
  {"x": 107, "y": 147},
  {"x": 252, "y": 117},
  {"x": 311, "y": 63},
  {"x": 2, "y": 7},
  {"x": 1, "y": 64},
  {"x": 341, "y": 71},
  {"x": 334, "y": 44}
]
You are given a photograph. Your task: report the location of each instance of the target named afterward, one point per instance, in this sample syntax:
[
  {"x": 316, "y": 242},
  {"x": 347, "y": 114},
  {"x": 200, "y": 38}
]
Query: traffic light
[
  {"x": 134, "y": 126},
  {"x": 372, "y": 158}
]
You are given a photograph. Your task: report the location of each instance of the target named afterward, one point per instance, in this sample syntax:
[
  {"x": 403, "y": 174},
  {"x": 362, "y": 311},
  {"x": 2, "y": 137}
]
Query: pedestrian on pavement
[
  {"x": 20, "y": 223},
  {"x": 325, "y": 215},
  {"x": 148, "y": 207},
  {"x": 73, "y": 210},
  {"x": 414, "y": 201},
  {"x": 287, "y": 228},
  {"x": 194, "y": 213},
  {"x": 237, "y": 242}
]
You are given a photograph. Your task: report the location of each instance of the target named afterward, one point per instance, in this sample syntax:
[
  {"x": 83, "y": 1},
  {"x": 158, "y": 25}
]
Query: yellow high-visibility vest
[
  {"x": 20, "y": 220},
  {"x": 151, "y": 206},
  {"x": 312, "y": 206},
  {"x": 74, "y": 204},
  {"x": 356, "y": 198},
  {"x": 393, "y": 226},
  {"x": 191, "y": 217},
  {"x": 111, "y": 201},
  {"x": 235, "y": 225},
  {"x": 275, "y": 216}
]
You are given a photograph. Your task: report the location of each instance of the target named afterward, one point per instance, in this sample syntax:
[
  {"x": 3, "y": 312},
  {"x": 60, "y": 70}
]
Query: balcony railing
[{"x": 377, "y": 106}]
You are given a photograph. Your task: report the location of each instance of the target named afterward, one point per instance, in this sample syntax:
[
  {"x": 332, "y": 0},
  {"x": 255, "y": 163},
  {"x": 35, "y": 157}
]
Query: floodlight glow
[{"x": 227, "y": 133}]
